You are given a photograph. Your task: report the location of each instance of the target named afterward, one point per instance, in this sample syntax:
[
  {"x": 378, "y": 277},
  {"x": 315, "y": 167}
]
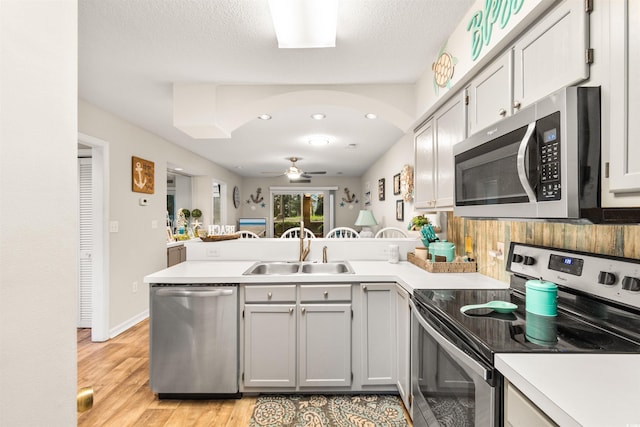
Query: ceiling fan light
[
  {"x": 304, "y": 23},
  {"x": 293, "y": 172}
]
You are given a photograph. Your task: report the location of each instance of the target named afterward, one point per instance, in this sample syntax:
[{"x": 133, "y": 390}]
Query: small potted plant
[{"x": 417, "y": 222}]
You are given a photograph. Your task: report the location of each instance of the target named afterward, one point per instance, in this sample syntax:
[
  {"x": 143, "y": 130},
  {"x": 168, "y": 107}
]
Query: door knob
[{"x": 84, "y": 399}]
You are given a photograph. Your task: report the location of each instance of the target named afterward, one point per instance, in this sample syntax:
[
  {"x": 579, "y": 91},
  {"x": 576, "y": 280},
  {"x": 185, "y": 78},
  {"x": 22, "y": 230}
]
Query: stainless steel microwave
[{"x": 543, "y": 162}]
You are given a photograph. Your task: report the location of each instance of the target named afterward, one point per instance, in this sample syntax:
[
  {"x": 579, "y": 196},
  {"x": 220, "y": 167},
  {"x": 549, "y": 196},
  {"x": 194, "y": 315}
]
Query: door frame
[{"x": 100, "y": 257}]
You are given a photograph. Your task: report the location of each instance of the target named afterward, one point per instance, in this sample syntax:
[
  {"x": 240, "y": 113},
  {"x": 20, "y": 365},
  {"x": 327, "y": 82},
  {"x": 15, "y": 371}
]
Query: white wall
[
  {"x": 38, "y": 212},
  {"x": 137, "y": 249},
  {"x": 386, "y": 167}
]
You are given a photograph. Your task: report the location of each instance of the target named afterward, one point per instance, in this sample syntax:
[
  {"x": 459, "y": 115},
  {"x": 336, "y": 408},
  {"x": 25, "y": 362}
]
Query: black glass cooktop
[{"x": 583, "y": 327}]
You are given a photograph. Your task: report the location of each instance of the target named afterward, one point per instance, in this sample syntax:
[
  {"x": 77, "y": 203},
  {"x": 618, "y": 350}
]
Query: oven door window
[
  {"x": 447, "y": 390},
  {"x": 488, "y": 174}
]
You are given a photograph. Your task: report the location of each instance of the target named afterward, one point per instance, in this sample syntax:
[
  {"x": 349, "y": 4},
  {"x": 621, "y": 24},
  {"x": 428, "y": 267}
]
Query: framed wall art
[
  {"x": 367, "y": 198},
  {"x": 396, "y": 184},
  {"x": 400, "y": 210},
  {"x": 381, "y": 189},
  {"x": 142, "y": 175}
]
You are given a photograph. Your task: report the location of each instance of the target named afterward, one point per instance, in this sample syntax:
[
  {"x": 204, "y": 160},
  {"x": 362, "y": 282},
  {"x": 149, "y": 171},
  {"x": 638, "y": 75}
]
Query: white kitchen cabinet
[
  {"x": 519, "y": 411},
  {"x": 552, "y": 54},
  {"x": 433, "y": 144},
  {"x": 624, "y": 171},
  {"x": 296, "y": 336},
  {"x": 269, "y": 345},
  {"x": 403, "y": 322},
  {"x": 490, "y": 94},
  {"x": 424, "y": 188},
  {"x": 325, "y": 345},
  {"x": 547, "y": 57},
  {"x": 379, "y": 346}
]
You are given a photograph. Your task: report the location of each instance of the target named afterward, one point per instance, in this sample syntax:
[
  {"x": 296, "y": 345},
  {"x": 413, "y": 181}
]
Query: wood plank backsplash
[{"x": 618, "y": 240}]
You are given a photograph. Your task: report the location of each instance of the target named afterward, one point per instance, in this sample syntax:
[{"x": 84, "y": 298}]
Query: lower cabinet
[
  {"x": 519, "y": 411},
  {"x": 325, "y": 337},
  {"x": 176, "y": 255},
  {"x": 379, "y": 347},
  {"x": 325, "y": 345},
  {"x": 403, "y": 333},
  {"x": 296, "y": 336}
]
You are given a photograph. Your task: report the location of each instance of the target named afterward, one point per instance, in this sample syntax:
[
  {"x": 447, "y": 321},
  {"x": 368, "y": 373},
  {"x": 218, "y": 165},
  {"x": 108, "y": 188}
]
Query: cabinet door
[
  {"x": 379, "y": 347},
  {"x": 269, "y": 345},
  {"x": 325, "y": 345},
  {"x": 490, "y": 94},
  {"x": 174, "y": 255},
  {"x": 449, "y": 125},
  {"x": 552, "y": 54},
  {"x": 519, "y": 411},
  {"x": 625, "y": 97},
  {"x": 424, "y": 187},
  {"x": 403, "y": 320}
]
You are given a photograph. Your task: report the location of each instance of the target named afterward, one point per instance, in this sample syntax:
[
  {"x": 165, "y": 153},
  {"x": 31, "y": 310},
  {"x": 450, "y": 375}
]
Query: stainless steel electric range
[{"x": 455, "y": 382}]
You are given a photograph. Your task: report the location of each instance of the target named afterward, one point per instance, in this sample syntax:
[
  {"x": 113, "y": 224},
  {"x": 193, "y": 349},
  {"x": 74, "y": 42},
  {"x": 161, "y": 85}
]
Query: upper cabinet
[
  {"x": 624, "y": 170},
  {"x": 553, "y": 54},
  {"x": 490, "y": 94},
  {"x": 434, "y": 155}
]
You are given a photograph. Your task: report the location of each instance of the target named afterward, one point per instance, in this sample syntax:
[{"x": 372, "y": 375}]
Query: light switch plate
[
  {"x": 114, "y": 226},
  {"x": 500, "y": 250}
]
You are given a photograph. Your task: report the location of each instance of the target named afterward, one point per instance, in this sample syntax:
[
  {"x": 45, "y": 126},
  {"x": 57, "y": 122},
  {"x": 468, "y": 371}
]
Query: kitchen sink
[
  {"x": 279, "y": 267},
  {"x": 273, "y": 268},
  {"x": 327, "y": 268}
]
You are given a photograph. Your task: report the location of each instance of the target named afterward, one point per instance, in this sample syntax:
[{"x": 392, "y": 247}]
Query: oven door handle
[
  {"x": 454, "y": 351},
  {"x": 521, "y": 162}
]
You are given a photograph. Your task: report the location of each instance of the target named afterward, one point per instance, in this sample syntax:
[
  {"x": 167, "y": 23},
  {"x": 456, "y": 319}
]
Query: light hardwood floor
[{"x": 118, "y": 371}]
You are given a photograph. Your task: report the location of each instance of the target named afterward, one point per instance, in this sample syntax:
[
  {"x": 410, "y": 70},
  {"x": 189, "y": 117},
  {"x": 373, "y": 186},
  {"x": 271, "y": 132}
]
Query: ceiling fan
[{"x": 293, "y": 172}]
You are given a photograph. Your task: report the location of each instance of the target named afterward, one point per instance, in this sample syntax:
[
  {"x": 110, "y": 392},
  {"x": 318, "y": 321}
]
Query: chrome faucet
[{"x": 324, "y": 254}]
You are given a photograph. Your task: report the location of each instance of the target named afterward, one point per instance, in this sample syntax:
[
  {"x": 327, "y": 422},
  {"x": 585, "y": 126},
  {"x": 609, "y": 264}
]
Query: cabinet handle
[
  {"x": 303, "y": 310},
  {"x": 516, "y": 105},
  {"x": 269, "y": 295},
  {"x": 502, "y": 112},
  {"x": 291, "y": 310},
  {"x": 326, "y": 294}
]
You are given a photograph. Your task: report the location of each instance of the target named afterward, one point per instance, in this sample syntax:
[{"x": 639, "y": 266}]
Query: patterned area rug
[{"x": 328, "y": 410}]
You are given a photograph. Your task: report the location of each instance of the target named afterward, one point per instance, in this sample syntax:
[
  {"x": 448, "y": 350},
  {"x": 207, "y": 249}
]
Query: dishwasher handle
[{"x": 193, "y": 293}]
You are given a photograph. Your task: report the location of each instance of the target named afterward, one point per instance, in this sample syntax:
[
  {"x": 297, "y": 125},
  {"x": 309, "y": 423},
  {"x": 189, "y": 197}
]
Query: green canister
[{"x": 541, "y": 297}]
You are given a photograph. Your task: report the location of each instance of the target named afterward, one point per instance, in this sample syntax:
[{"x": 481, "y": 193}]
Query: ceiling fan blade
[
  {"x": 316, "y": 173},
  {"x": 273, "y": 173},
  {"x": 300, "y": 181}
]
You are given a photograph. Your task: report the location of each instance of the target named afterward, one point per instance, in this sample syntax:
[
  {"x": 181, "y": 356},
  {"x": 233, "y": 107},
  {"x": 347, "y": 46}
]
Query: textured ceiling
[{"x": 131, "y": 53}]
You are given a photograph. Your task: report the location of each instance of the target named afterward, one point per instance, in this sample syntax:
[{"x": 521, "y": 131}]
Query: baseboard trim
[{"x": 114, "y": 332}]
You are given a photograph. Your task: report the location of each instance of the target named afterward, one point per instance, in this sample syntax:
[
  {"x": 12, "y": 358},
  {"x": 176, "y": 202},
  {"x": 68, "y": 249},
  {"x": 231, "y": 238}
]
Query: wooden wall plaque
[{"x": 142, "y": 173}]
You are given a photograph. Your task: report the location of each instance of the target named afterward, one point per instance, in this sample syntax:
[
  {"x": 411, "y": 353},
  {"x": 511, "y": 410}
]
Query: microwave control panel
[{"x": 548, "y": 135}]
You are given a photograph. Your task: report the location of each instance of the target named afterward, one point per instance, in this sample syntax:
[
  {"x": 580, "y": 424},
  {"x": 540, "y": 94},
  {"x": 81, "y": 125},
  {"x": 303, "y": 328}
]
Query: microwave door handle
[{"x": 521, "y": 162}]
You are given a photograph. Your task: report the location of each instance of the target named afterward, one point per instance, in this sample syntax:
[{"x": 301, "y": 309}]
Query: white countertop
[
  {"x": 404, "y": 273},
  {"x": 578, "y": 389}
]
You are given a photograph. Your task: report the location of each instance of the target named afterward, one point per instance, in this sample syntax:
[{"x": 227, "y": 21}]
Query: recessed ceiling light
[
  {"x": 371, "y": 116},
  {"x": 351, "y": 146},
  {"x": 318, "y": 116},
  {"x": 318, "y": 140},
  {"x": 178, "y": 169},
  {"x": 264, "y": 117}
]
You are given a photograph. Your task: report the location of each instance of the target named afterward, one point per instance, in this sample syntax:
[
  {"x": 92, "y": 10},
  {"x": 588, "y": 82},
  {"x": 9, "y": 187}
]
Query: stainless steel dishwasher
[{"x": 193, "y": 340}]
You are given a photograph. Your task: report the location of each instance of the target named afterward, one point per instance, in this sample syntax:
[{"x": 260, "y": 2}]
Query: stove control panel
[{"x": 613, "y": 278}]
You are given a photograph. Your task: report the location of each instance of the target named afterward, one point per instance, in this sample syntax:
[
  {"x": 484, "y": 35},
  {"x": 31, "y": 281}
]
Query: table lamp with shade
[{"x": 366, "y": 220}]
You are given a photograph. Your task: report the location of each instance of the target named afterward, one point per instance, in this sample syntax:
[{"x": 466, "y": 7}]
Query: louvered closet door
[{"x": 86, "y": 243}]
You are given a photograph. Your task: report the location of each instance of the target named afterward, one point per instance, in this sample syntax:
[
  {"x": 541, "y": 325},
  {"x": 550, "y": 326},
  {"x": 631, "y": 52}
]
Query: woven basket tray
[
  {"x": 220, "y": 237},
  {"x": 442, "y": 267}
]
